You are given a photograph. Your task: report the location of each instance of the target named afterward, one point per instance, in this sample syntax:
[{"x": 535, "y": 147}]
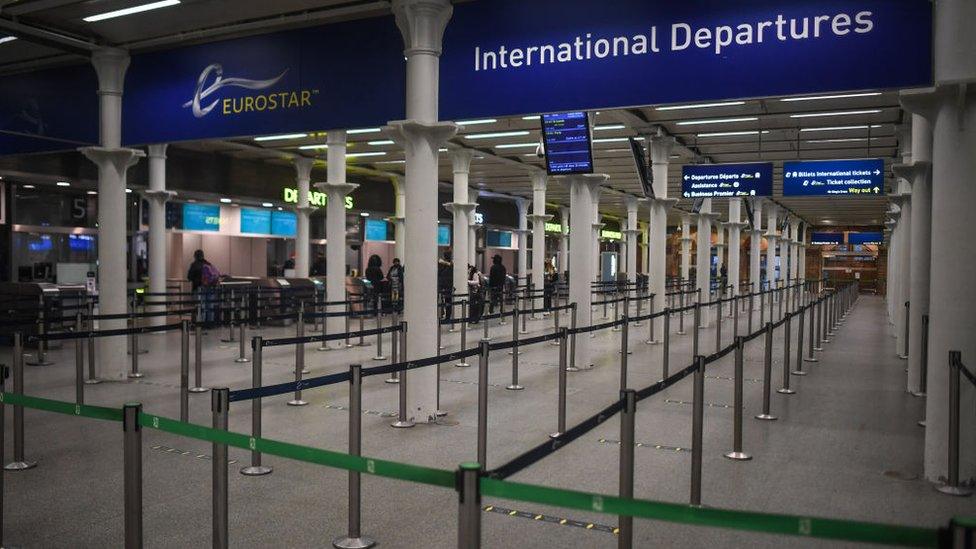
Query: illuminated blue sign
[
  {"x": 443, "y": 235},
  {"x": 727, "y": 180},
  {"x": 255, "y": 221},
  {"x": 201, "y": 217},
  {"x": 284, "y": 223},
  {"x": 865, "y": 238},
  {"x": 377, "y": 229},
  {"x": 567, "y": 141},
  {"x": 826, "y": 239},
  {"x": 834, "y": 177},
  {"x": 498, "y": 239}
]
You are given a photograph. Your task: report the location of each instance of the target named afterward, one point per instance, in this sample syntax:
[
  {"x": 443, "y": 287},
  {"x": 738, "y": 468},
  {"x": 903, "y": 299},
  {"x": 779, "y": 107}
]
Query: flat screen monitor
[
  {"x": 643, "y": 173},
  {"x": 201, "y": 217},
  {"x": 81, "y": 242},
  {"x": 826, "y": 239},
  {"x": 284, "y": 223},
  {"x": 696, "y": 206},
  {"x": 254, "y": 221},
  {"x": 727, "y": 180},
  {"x": 498, "y": 239},
  {"x": 865, "y": 238},
  {"x": 566, "y": 138},
  {"x": 443, "y": 235},
  {"x": 750, "y": 213},
  {"x": 859, "y": 177},
  {"x": 377, "y": 229}
]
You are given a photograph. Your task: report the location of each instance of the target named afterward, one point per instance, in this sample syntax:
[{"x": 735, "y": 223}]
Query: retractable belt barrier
[{"x": 79, "y": 334}]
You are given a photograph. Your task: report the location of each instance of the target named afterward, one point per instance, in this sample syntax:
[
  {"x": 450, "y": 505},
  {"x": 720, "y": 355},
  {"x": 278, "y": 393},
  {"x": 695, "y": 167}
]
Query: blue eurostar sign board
[
  {"x": 726, "y": 180},
  {"x": 834, "y": 177},
  {"x": 824, "y": 239},
  {"x": 865, "y": 238}
]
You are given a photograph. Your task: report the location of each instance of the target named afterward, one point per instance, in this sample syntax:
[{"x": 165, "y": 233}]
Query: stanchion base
[
  {"x": 638, "y": 324},
  {"x": 903, "y": 357},
  {"x": 242, "y": 360},
  {"x": 380, "y": 357},
  {"x": 572, "y": 369},
  {"x": 785, "y": 391},
  {"x": 198, "y": 389},
  {"x": 680, "y": 333},
  {"x": 20, "y": 465},
  {"x": 653, "y": 342},
  {"x": 402, "y": 424},
  {"x": 798, "y": 373},
  {"x": 226, "y": 340},
  {"x": 921, "y": 424},
  {"x": 555, "y": 435},
  {"x": 629, "y": 352},
  {"x": 818, "y": 348},
  {"x": 256, "y": 470},
  {"x": 324, "y": 348},
  {"x": 306, "y": 371},
  {"x": 296, "y": 402},
  {"x": 811, "y": 359},
  {"x": 615, "y": 329},
  {"x": 141, "y": 351},
  {"x": 392, "y": 380},
  {"x": 353, "y": 543},
  {"x": 136, "y": 375},
  {"x": 348, "y": 345},
  {"x": 766, "y": 417},
  {"x": 959, "y": 491},
  {"x": 511, "y": 352},
  {"x": 462, "y": 365},
  {"x": 92, "y": 381},
  {"x": 39, "y": 363},
  {"x": 521, "y": 331},
  {"x": 738, "y": 456},
  {"x": 916, "y": 394},
  {"x": 515, "y": 387},
  {"x": 440, "y": 413}
]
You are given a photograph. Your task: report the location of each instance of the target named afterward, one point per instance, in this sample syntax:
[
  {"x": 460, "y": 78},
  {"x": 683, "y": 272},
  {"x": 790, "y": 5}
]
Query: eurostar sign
[
  {"x": 610, "y": 235},
  {"x": 315, "y": 198}
]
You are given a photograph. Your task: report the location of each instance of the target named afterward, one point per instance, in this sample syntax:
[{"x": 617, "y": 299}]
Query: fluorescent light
[
  {"x": 840, "y": 96},
  {"x": 844, "y": 140},
  {"x": 225, "y": 200},
  {"x": 357, "y": 155},
  {"x": 364, "y": 130},
  {"x": 533, "y": 117},
  {"x": 496, "y": 135},
  {"x": 364, "y": 214},
  {"x": 128, "y": 191},
  {"x": 280, "y": 208},
  {"x": 392, "y": 162},
  {"x": 615, "y": 139},
  {"x": 282, "y": 136},
  {"x": 442, "y": 150},
  {"x": 7, "y": 39},
  {"x": 92, "y": 192},
  {"x": 267, "y": 204},
  {"x": 731, "y": 134},
  {"x": 516, "y": 145},
  {"x": 836, "y": 113},
  {"x": 131, "y": 10},
  {"x": 28, "y": 187},
  {"x": 700, "y": 106},
  {"x": 382, "y": 142},
  {"x": 476, "y": 122},
  {"x": 839, "y": 128},
  {"x": 313, "y": 147},
  {"x": 718, "y": 121},
  {"x": 609, "y": 127},
  {"x": 63, "y": 184}
]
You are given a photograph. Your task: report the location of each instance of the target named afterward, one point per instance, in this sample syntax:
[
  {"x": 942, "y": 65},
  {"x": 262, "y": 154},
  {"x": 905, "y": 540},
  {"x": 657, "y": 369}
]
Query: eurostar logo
[{"x": 212, "y": 80}]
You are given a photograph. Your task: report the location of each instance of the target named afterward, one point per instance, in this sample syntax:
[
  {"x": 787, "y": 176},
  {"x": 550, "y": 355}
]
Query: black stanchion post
[
  {"x": 762, "y": 308},
  {"x": 354, "y": 538},
  {"x": 514, "y": 386},
  {"x": 483, "y": 349},
  {"x": 624, "y": 351},
  {"x": 821, "y": 333},
  {"x": 561, "y": 377},
  {"x": 184, "y": 371},
  {"x": 396, "y": 337},
  {"x": 907, "y": 323},
  {"x": 767, "y": 374},
  {"x": 681, "y": 315},
  {"x": 132, "y": 474},
  {"x": 92, "y": 378},
  {"x": 469, "y": 506},
  {"x": 402, "y": 422},
  {"x": 220, "y": 406},
  {"x": 735, "y": 316},
  {"x": 650, "y": 322},
  {"x": 697, "y": 425},
  {"x": 19, "y": 463},
  {"x": 799, "y": 346},
  {"x": 242, "y": 336},
  {"x": 625, "y": 537},
  {"x": 718, "y": 324},
  {"x": 255, "y": 468},
  {"x": 666, "y": 347},
  {"x": 379, "y": 336},
  {"x": 695, "y": 331},
  {"x": 299, "y": 358},
  {"x": 134, "y": 343},
  {"x": 810, "y": 333},
  {"x": 923, "y": 370},
  {"x": 572, "y": 342},
  {"x": 79, "y": 367},
  {"x": 198, "y": 360},
  {"x": 464, "y": 333},
  {"x": 952, "y": 486},
  {"x": 737, "y": 453},
  {"x": 785, "y": 389}
]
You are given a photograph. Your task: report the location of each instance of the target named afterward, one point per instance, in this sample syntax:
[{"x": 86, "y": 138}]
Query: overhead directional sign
[
  {"x": 826, "y": 239},
  {"x": 834, "y": 177},
  {"x": 865, "y": 238},
  {"x": 727, "y": 180}
]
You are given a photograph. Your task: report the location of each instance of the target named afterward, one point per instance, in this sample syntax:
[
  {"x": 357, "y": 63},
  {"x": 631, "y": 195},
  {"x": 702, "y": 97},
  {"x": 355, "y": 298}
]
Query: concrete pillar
[
  {"x": 918, "y": 172},
  {"x": 462, "y": 208},
  {"x": 719, "y": 250},
  {"x": 784, "y": 259},
  {"x": 335, "y": 188},
  {"x": 522, "y": 259},
  {"x": 303, "y": 174},
  {"x": 902, "y": 262},
  {"x": 582, "y": 190},
  {"x": 563, "y": 241},
  {"x": 735, "y": 226},
  {"x": 539, "y": 219},
  {"x": 772, "y": 233},
  {"x": 755, "y": 249},
  {"x": 660, "y": 151},
  {"x": 685, "y": 249},
  {"x": 399, "y": 246},
  {"x": 704, "y": 256},
  {"x": 157, "y": 196},
  {"x": 595, "y": 230},
  {"x": 112, "y": 161},
  {"x": 422, "y": 24},
  {"x": 632, "y": 234}
]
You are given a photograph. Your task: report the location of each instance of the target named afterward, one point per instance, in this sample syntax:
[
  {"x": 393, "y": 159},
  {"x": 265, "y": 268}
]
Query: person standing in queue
[
  {"x": 476, "y": 295},
  {"x": 204, "y": 279},
  {"x": 395, "y": 278},
  {"x": 445, "y": 287},
  {"x": 496, "y": 282},
  {"x": 374, "y": 274}
]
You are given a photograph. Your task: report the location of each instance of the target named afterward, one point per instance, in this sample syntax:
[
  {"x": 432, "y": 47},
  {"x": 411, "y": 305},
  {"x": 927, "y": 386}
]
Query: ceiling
[{"x": 53, "y": 32}]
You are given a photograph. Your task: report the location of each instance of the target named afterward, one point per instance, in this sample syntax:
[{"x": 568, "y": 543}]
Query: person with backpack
[
  {"x": 496, "y": 282},
  {"x": 204, "y": 279},
  {"x": 476, "y": 295}
]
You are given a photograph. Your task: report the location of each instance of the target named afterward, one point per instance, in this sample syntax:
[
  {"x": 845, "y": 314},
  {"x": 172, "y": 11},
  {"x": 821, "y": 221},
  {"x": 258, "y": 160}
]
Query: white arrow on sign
[
  {"x": 686, "y": 178},
  {"x": 877, "y": 172}
]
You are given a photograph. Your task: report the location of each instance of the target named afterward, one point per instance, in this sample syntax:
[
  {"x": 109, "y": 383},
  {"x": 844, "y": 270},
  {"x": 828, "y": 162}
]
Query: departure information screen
[
  {"x": 865, "y": 238},
  {"x": 727, "y": 180},
  {"x": 566, "y": 137},
  {"x": 826, "y": 239},
  {"x": 834, "y": 177}
]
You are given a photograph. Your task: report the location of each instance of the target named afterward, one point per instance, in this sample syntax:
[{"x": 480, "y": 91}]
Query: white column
[
  {"x": 422, "y": 24},
  {"x": 522, "y": 259},
  {"x": 784, "y": 260},
  {"x": 335, "y": 188},
  {"x": 303, "y": 174},
  {"x": 685, "y": 248},
  {"x": 704, "y": 257},
  {"x": 461, "y": 208},
  {"x": 772, "y": 232},
  {"x": 595, "y": 230},
  {"x": 473, "y": 232},
  {"x": 918, "y": 172},
  {"x": 157, "y": 196},
  {"x": 755, "y": 249},
  {"x": 735, "y": 226},
  {"x": 719, "y": 250},
  {"x": 794, "y": 250},
  {"x": 632, "y": 233},
  {"x": 112, "y": 161},
  {"x": 657, "y": 269},
  {"x": 582, "y": 189},
  {"x": 563, "y": 241},
  {"x": 400, "y": 204},
  {"x": 539, "y": 219}
]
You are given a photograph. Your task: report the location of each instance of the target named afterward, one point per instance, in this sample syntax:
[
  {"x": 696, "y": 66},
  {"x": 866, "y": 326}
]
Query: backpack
[{"x": 209, "y": 275}]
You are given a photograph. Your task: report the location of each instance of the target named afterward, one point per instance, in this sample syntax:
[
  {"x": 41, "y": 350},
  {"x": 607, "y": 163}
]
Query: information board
[
  {"x": 727, "y": 180},
  {"x": 826, "y": 239},
  {"x": 498, "y": 239},
  {"x": 865, "y": 238},
  {"x": 443, "y": 235},
  {"x": 566, "y": 137},
  {"x": 834, "y": 177},
  {"x": 255, "y": 221},
  {"x": 201, "y": 217},
  {"x": 377, "y": 229},
  {"x": 284, "y": 223}
]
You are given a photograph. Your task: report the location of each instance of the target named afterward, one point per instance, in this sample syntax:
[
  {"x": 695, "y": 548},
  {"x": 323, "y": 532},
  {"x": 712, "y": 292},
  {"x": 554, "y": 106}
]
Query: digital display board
[
  {"x": 865, "y": 238},
  {"x": 255, "y": 221},
  {"x": 284, "y": 223},
  {"x": 81, "y": 242},
  {"x": 727, "y": 180},
  {"x": 826, "y": 239},
  {"x": 834, "y": 177},
  {"x": 377, "y": 229},
  {"x": 443, "y": 235},
  {"x": 566, "y": 137},
  {"x": 498, "y": 239},
  {"x": 201, "y": 217}
]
